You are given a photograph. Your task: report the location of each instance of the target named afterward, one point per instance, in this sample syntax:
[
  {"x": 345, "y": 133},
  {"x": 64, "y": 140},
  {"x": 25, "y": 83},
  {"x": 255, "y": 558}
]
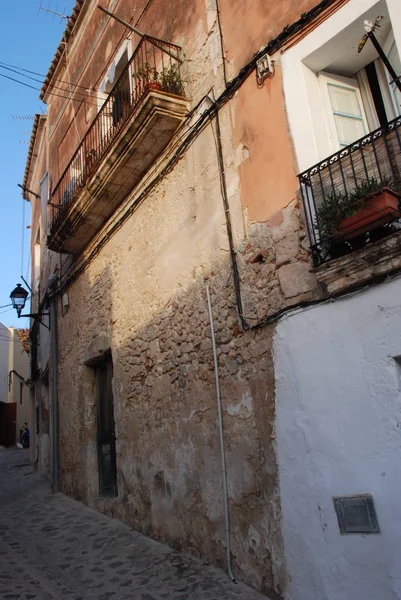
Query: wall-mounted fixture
[
  {"x": 356, "y": 514},
  {"x": 18, "y": 298},
  {"x": 264, "y": 68}
]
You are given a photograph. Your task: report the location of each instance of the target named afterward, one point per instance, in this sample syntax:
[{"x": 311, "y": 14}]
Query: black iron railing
[
  {"x": 376, "y": 156},
  {"x": 154, "y": 66}
]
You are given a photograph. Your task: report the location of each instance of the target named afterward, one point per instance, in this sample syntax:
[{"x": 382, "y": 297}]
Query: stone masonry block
[
  {"x": 296, "y": 279},
  {"x": 287, "y": 249}
]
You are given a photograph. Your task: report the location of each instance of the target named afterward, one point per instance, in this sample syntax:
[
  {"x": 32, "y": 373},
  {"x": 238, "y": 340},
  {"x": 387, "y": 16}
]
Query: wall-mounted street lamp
[{"x": 18, "y": 298}]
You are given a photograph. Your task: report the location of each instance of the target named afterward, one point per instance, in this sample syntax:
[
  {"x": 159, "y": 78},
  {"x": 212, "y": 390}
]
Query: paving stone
[{"x": 53, "y": 548}]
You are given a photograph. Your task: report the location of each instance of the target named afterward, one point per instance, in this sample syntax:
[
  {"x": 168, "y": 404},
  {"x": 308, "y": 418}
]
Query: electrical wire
[
  {"x": 143, "y": 12},
  {"x": 40, "y": 81},
  {"x": 28, "y": 266},
  {"x": 221, "y": 42},
  {"x": 39, "y": 74},
  {"x": 52, "y": 93},
  {"x": 5, "y": 339}
]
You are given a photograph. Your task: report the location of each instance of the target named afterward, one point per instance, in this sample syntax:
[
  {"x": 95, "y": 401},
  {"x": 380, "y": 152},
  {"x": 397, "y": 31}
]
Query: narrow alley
[{"x": 52, "y": 547}]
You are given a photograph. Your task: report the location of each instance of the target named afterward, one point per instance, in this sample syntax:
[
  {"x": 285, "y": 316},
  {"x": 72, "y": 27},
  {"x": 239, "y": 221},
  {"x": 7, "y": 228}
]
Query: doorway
[{"x": 106, "y": 438}]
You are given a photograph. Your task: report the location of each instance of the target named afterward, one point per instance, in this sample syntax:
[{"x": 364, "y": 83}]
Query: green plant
[
  {"x": 367, "y": 187},
  {"x": 169, "y": 79},
  {"x": 146, "y": 72},
  {"x": 339, "y": 205}
]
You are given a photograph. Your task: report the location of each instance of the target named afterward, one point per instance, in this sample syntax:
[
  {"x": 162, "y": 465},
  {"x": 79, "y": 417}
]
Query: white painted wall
[{"x": 338, "y": 430}]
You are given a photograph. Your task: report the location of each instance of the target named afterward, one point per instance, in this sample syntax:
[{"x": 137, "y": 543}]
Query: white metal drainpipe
[{"x": 223, "y": 455}]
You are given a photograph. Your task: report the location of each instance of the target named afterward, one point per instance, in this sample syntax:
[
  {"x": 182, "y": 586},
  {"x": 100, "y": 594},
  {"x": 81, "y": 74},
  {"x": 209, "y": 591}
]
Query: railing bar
[
  {"x": 331, "y": 178},
  {"x": 154, "y": 59},
  {"x": 313, "y": 224},
  {"x": 377, "y": 160},
  {"x": 390, "y": 160},
  {"x": 352, "y": 165},
  {"x": 321, "y": 183},
  {"x": 310, "y": 222},
  {"x": 342, "y": 172},
  {"x": 364, "y": 162}
]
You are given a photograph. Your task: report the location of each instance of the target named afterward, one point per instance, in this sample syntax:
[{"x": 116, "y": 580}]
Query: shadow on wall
[{"x": 167, "y": 446}]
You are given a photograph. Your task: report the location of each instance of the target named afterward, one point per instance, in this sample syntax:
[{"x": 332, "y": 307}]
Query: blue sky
[{"x": 29, "y": 40}]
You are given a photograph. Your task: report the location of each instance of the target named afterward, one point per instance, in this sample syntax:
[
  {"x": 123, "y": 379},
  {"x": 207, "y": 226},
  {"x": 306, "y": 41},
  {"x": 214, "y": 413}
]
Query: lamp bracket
[{"x": 38, "y": 317}]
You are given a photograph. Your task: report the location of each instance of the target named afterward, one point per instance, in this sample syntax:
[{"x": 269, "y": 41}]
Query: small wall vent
[{"x": 356, "y": 514}]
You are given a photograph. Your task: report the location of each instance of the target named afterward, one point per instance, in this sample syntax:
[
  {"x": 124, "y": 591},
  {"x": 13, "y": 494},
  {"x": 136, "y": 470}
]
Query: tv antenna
[
  {"x": 23, "y": 117},
  {"x": 53, "y": 12}
]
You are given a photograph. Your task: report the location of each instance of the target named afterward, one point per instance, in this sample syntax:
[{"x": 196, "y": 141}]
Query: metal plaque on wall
[{"x": 356, "y": 514}]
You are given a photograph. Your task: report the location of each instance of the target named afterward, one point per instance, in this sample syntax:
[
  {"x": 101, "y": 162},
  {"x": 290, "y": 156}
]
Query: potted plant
[
  {"x": 345, "y": 216},
  {"x": 169, "y": 78},
  {"x": 148, "y": 76}
]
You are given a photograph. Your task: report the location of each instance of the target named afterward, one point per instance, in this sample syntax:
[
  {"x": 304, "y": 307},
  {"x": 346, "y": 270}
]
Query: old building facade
[
  {"x": 14, "y": 385},
  {"x": 164, "y": 177}
]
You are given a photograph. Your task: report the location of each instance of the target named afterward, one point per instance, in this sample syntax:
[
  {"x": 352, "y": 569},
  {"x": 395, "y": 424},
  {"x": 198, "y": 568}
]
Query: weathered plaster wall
[
  {"x": 264, "y": 150},
  {"x": 337, "y": 369},
  {"x": 145, "y": 293},
  {"x": 142, "y": 297},
  {"x": 250, "y": 25}
]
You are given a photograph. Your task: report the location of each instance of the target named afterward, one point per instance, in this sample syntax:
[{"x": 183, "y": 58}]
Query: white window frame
[
  {"x": 326, "y": 79},
  {"x": 305, "y": 112}
]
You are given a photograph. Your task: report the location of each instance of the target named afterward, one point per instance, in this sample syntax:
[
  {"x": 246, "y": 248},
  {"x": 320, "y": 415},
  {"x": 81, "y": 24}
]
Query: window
[
  {"x": 335, "y": 95},
  {"x": 106, "y": 439},
  {"x": 344, "y": 109}
]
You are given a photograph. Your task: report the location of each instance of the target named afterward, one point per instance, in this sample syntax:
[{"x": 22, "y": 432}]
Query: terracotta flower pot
[
  {"x": 377, "y": 210},
  {"x": 153, "y": 85}
]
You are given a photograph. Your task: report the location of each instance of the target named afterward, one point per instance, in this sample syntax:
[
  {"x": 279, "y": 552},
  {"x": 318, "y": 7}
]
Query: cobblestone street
[{"x": 52, "y": 547}]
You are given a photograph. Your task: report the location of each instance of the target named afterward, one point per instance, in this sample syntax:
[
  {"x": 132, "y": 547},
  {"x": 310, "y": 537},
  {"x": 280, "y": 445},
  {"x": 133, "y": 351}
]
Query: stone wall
[
  {"x": 275, "y": 265},
  {"x": 144, "y": 299},
  {"x": 168, "y": 455},
  {"x": 42, "y": 402}
]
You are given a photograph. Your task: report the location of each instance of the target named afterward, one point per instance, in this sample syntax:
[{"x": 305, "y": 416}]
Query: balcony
[
  {"x": 343, "y": 194},
  {"x": 134, "y": 125}
]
